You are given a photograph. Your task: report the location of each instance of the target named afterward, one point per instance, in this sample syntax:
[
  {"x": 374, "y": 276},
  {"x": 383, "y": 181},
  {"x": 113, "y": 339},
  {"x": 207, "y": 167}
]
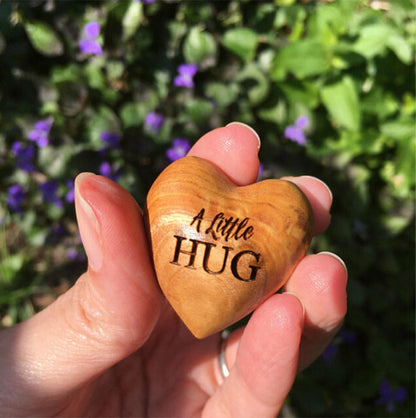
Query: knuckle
[{"x": 86, "y": 318}]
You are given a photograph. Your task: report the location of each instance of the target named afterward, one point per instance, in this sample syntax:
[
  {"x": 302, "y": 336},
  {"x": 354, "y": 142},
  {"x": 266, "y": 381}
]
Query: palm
[{"x": 173, "y": 374}]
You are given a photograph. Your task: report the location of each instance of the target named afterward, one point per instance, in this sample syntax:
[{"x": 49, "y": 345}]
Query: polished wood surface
[{"x": 219, "y": 250}]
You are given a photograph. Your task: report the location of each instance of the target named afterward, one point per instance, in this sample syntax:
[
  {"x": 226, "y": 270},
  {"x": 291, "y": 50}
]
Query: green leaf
[
  {"x": 10, "y": 265},
  {"x": 301, "y": 92},
  {"x": 373, "y": 39},
  {"x": 103, "y": 120},
  {"x": 114, "y": 69},
  {"x": 379, "y": 102},
  {"x": 199, "y": 46},
  {"x": 305, "y": 58},
  {"x": 400, "y": 172},
  {"x": 341, "y": 101},
  {"x": 401, "y": 48},
  {"x": 94, "y": 73},
  {"x": 70, "y": 72},
  {"x": 132, "y": 19},
  {"x": 53, "y": 160},
  {"x": 223, "y": 94},
  {"x": 327, "y": 23},
  {"x": 255, "y": 83},
  {"x": 44, "y": 39},
  {"x": 242, "y": 42},
  {"x": 275, "y": 113},
  {"x": 133, "y": 113},
  {"x": 401, "y": 128},
  {"x": 199, "y": 110}
]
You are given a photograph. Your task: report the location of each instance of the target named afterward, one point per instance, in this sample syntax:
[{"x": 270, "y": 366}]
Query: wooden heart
[{"x": 219, "y": 250}]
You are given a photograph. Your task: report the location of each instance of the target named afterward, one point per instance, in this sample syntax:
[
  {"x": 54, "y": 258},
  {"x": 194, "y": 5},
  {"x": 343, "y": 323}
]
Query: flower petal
[
  {"x": 302, "y": 122},
  {"x": 92, "y": 30}
]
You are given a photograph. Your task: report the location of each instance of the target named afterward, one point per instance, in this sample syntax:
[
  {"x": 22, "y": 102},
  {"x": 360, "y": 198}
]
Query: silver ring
[{"x": 225, "y": 372}]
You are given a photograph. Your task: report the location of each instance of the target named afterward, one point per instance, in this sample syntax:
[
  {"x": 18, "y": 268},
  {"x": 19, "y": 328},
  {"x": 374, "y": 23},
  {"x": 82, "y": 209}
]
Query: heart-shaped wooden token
[{"x": 219, "y": 250}]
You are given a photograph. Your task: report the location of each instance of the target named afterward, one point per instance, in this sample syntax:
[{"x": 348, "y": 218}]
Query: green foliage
[
  {"x": 341, "y": 102},
  {"x": 242, "y": 41},
  {"x": 199, "y": 46},
  {"x": 132, "y": 19},
  {"x": 44, "y": 39},
  {"x": 304, "y": 58},
  {"x": 348, "y": 65}
]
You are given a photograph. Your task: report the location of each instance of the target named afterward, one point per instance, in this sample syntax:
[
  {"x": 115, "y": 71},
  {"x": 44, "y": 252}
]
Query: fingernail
[
  {"x": 248, "y": 127},
  {"x": 299, "y": 299},
  {"x": 337, "y": 257},
  {"x": 88, "y": 226},
  {"x": 323, "y": 183}
]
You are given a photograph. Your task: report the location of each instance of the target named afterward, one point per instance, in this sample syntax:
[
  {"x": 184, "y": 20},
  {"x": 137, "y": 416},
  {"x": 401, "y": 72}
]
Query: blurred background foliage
[{"x": 114, "y": 96}]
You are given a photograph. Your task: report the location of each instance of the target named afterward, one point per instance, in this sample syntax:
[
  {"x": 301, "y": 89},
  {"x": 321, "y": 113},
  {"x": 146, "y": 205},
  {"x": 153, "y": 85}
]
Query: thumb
[
  {"x": 108, "y": 314},
  {"x": 120, "y": 278}
]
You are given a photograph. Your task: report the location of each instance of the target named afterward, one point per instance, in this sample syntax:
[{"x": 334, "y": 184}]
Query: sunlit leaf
[
  {"x": 242, "y": 42},
  {"x": 44, "y": 39},
  {"x": 199, "y": 110},
  {"x": 373, "y": 39},
  {"x": 223, "y": 94},
  {"x": 341, "y": 101},
  {"x": 132, "y": 19},
  {"x": 401, "y": 47},
  {"x": 304, "y": 58},
  {"x": 199, "y": 46}
]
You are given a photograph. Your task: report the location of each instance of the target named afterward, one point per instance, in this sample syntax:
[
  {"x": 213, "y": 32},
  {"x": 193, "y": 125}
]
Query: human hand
[{"x": 112, "y": 345}]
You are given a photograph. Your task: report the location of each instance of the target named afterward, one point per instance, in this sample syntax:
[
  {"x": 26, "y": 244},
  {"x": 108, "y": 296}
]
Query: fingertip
[
  {"x": 299, "y": 300},
  {"x": 280, "y": 318},
  {"x": 326, "y": 197},
  {"x": 234, "y": 149},
  {"x": 245, "y": 126},
  {"x": 287, "y": 312},
  {"x": 337, "y": 278},
  {"x": 320, "y": 280},
  {"x": 81, "y": 176},
  {"x": 337, "y": 258}
]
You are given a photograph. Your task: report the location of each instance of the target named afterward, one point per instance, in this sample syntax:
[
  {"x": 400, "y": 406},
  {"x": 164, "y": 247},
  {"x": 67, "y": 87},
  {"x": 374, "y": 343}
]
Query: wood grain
[{"x": 219, "y": 250}]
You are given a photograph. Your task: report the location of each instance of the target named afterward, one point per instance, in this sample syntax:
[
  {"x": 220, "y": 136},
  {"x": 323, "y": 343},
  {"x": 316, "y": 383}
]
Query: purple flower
[
  {"x": 24, "y": 156},
  {"x": 144, "y": 1},
  {"x": 185, "y": 75},
  {"x": 153, "y": 121},
  {"x": 40, "y": 132},
  {"x": 88, "y": 44},
  {"x": 178, "y": 149},
  {"x": 49, "y": 192},
  {"x": 92, "y": 30},
  {"x": 112, "y": 140},
  {"x": 15, "y": 198},
  {"x": 295, "y": 132},
  {"x": 70, "y": 194},
  {"x": 329, "y": 354},
  {"x": 390, "y": 397},
  {"x": 109, "y": 171}
]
